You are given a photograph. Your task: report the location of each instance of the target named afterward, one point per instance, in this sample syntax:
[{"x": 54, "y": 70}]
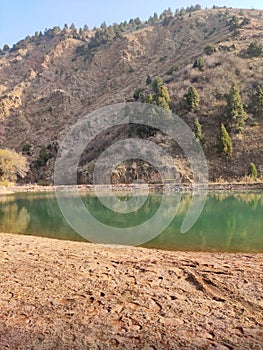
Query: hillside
[{"x": 49, "y": 81}]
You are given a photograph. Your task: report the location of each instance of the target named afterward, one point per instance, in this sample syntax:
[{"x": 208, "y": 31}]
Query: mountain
[{"x": 49, "y": 81}]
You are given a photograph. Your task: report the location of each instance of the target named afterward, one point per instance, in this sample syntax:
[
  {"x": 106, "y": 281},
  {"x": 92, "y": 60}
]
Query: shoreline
[
  {"x": 64, "y": 295},
  {"x": 234, "y": 186}
]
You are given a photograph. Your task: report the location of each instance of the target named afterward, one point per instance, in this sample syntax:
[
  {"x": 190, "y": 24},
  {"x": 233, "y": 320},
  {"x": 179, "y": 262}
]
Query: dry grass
[{"x": 116, "y": 70}]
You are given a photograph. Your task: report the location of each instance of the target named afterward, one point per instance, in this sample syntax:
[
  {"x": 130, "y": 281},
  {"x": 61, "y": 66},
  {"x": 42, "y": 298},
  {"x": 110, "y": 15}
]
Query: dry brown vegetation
[{"x": 47, "y": 84}]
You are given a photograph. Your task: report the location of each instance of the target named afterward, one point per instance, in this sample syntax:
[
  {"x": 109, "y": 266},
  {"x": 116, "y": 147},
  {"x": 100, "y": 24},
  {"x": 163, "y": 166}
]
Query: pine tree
[
  {"x": 162, "y": 97},
  {"x": 148, "y": 80},
  {"x": 224, "y": 142},
  {"x": 197, "y": 129},
  {"x": 252, "y": 171},
  {"x": 191, "y": 100},
  {"x": 6, "y": 47},
  {"x": 236, "y": 115},
  {"x": 258, "y": 101},
  {"x": 73, "y": 27}
]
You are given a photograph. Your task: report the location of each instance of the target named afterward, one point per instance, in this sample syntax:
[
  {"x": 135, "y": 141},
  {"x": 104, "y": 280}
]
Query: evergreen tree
[
  {"x": 225, "y": 142},
  {"x": 148, "y": 80},
  {"x": 6, "y": 47},
  {"x": 166, "y": 13},
  {"x": 191, "y": 100},
  {"x": 150, "y": 20},
  {"x": 197, "y": 129},
  {"x": 252, "y": 171},
  {"x": 162, "y": 97},
  {"x": 157, "y": 83},
  {"x": 103, "y": 26},
  {"x": 73, "y": 27},
  {"x": 258, "y": 101},
  {"x": 137, "y": 21},
  {"x": 197, "y": 7},
  {"x": 236, "y": 115}
]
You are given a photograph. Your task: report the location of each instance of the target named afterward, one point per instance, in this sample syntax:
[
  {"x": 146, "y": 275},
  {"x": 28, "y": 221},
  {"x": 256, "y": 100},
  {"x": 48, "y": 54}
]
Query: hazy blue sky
[{"x": 19, "y": 18}]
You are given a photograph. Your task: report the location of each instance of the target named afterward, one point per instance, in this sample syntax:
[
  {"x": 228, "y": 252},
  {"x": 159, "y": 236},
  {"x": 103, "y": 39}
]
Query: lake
[{"x": 230, "y": 221}]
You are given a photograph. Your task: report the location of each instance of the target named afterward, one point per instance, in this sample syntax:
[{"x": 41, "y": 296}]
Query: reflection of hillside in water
[
  {"x": 12, "y": 218},
  {"x": 229, "y": 222}
]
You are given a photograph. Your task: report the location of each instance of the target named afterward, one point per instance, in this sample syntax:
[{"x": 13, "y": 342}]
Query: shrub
[
  {"x": 234, "y": 23},
  {"x": 252, "y": 171},
  {"x": 172, "y": 69},
  {"x": 246, "y": 21},
  {"x": 26, "y": 148},
  {"x": 224, "y": 142},
  {"x": 43, "y": 157},
  {"x": 137, "y": 94},
  {"x": 199, "y": 63},
  {"x": 209, "y": 49},
  {"x": 255, "y": 49},
  {"x": 12, "y": 165}
]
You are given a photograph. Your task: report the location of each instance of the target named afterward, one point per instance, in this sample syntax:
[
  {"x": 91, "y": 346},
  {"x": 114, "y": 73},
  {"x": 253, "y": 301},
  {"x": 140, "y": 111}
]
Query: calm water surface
[{"x": 230, "y": 222}]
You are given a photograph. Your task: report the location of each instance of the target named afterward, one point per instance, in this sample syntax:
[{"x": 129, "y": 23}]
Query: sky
[{"x": 19, "y": 18}]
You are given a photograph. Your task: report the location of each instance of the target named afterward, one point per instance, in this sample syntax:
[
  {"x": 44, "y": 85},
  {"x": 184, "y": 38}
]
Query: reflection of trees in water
[
  {"x": 13, "y": 219},
  {"x": 7, "y": 199},
  {"x": 184, "y": 204},
  {"x": 229, "y": 222},
  {"x": 254, "y": 198},
  {"x": 230, "y": 230}
]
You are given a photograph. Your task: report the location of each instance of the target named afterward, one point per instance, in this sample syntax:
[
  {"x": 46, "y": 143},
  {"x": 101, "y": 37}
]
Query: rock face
[
  {"x": 48, "y": 83},
  {"x": 68, "y": 295}
]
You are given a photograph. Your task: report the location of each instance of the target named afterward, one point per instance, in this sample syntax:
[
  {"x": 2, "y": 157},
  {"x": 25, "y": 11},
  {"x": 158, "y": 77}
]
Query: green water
[{"x": 230, "y": 222}]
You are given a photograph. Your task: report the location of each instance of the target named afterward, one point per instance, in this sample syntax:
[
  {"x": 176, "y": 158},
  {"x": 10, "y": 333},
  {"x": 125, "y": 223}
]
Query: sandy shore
[{"x": 70, "y": 295}]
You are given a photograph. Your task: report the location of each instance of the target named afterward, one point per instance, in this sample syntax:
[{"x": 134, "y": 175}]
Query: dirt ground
[{"x": 67, "y": 295}]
